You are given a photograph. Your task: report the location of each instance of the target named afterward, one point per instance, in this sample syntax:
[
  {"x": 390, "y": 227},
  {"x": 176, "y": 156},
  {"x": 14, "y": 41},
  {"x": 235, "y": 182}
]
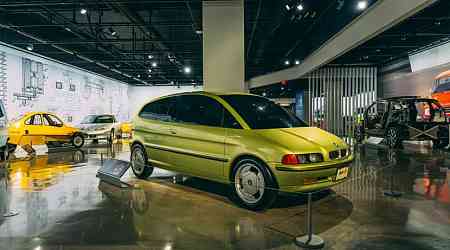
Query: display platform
[{"x": 112, "y": 171}]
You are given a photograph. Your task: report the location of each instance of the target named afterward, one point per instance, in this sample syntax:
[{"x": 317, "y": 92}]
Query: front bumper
[
  {"x": 97, "y": 135},
  {"x": 312, "y": 177}
]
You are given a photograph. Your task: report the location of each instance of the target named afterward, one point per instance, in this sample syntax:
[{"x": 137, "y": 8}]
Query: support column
[{"x": 223, "y": 46}]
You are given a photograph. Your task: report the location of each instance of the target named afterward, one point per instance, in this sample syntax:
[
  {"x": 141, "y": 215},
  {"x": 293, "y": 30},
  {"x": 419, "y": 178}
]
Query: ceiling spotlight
[
  {"x": 150, "y": 56},
  {"x": 300, "y": 7},
  {"x": 287, "y": 62},
  {"x": 30, "y": 47},
  {"x": 112, "y": 32},
  {"x": 139, "y": 76},
  {"x": 264, "y": 94},
  {"x": 67, "y": 29},
  {"x": 149, "y": 76},
  {"x": 199, "y": 32},
  {"x": 297, "y": 62},
  {"x": 154, "y": 64},
  {"x": 287, "y": 7},
  {"x": 83, "y": 11},
  {"x": 149, "y": 70},
  {"x": 187, "y": 70},
  {"x": 362, "y": 5}
]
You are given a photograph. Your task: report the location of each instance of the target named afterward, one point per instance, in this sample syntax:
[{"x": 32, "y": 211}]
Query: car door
[
  {"x": 194, "y": 143},
  {"x": 54, "y": 127},
  {"x": 34, "y": 133},
  {"x": 375, "y": 118},
  {"x": 152, "y": 129}
]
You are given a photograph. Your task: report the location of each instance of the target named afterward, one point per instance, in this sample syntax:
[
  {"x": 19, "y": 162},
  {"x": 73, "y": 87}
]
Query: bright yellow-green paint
[
  {"x": 21, "y": 133},
  {"x": 210, "y": 152}
]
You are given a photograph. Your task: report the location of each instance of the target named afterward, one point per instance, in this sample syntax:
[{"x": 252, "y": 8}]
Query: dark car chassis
[{"x": 398, "y": 121}]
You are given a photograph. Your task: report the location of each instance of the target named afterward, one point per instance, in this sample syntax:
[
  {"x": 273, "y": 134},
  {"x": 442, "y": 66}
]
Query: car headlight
[{"x": 293, "y": 159}]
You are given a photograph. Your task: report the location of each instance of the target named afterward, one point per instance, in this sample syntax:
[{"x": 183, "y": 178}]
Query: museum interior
[{"x": 324, "y": 124}]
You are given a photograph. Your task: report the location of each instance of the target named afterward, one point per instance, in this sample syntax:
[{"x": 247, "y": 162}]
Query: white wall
[
  {"x": 92, "y": 93},
  {"x": 142, "y": 95},
  {"x": 81, "y": 92}
]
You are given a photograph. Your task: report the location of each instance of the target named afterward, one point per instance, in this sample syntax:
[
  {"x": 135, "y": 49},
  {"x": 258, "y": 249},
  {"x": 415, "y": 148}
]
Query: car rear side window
[
  {"x": 262, "y": 113},
  {"x": 200, "y": 110},
  {"x": 159, "y": 110}
]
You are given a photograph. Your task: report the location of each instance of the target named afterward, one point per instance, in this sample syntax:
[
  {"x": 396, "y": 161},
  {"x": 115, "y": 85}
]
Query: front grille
[
  {"x": 338, "y": 154},
  {"x": 334, "y": 155}
]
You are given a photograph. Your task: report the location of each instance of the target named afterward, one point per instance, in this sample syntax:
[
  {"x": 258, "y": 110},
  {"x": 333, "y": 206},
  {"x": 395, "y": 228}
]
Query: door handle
[{"x": 27, "y": 132}]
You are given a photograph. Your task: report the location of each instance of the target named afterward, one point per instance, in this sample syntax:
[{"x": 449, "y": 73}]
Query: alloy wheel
[
  {"x": 138, "y": 161},
  {"x": 249, "y": 183},
  {"x": 392, "y": 137},
  {"x": 78, "y": 141}
]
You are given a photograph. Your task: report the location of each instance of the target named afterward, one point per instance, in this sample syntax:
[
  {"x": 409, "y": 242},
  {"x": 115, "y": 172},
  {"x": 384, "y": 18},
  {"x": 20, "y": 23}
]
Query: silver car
[
  {"x": 3, "y": 133},
  {"x": 99, "y": 127}
]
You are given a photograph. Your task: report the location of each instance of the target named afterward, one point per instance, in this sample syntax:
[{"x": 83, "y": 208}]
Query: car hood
[
  {"x": 304, "y": 140},
  {"x": 93, "y": 126}
]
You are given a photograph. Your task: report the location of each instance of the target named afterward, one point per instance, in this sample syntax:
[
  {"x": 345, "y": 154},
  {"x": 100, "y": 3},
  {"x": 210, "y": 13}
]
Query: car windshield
[
  {"x": 98, "y": 119},
  {"x": 261, "y": 113}
]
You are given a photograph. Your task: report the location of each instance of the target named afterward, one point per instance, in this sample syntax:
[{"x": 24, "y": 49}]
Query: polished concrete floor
[{"x": 62, "y": 205}]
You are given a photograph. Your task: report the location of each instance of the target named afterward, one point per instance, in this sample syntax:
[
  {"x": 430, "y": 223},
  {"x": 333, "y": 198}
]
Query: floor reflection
[{"x": 63, "y": 205}]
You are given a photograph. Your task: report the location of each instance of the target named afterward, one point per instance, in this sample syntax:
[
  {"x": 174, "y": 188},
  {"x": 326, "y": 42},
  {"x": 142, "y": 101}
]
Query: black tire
[
  {"x": 393, "y": 137},
  {"x": 77, "y": 140},
  {"x": 245, "y": 191},
  {"x": 139, "y": 162},
  {"x": 4, "y": 155}
]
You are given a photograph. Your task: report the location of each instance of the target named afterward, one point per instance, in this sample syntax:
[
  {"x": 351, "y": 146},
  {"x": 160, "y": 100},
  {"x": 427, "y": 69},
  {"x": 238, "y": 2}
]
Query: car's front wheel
[
  {"x": 253, "y": 185},
  {"x": 78, "y": 140},
  {"x": 139, "y": 162},
  {"x": 393, "y": 139}
]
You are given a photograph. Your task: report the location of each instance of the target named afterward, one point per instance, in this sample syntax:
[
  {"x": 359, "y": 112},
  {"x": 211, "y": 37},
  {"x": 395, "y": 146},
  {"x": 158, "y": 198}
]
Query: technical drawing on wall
[
  {"x": 34, "y": 78},
  {"x": 3, "y": 78}
]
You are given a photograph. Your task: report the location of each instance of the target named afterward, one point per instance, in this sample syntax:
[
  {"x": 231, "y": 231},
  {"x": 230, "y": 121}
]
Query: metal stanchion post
[
  {"x": 8, "y": 212},
  {"x": 448, "y": 146},
  {"x": 310, "y": 240},
  {"x": 101, "y": 158}
]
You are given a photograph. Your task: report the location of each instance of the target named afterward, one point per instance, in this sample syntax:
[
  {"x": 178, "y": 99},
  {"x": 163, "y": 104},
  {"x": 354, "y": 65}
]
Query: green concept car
[{"x": 243, "y": 140}]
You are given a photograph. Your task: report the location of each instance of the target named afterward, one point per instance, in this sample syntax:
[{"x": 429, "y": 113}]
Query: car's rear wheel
[
  {"x": 78, "y": 140},
  {"x": 139, "y": 162},
  {"x": 253, "y": 185},
  {"x": 5, "y": 154},
  {"x": 392, "y": 138}
]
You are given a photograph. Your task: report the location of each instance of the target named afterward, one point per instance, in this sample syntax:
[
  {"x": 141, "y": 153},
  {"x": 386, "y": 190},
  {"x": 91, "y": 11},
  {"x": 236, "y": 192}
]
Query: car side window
[
  {"x": 37, "y": 120},
  {"x": 29, "y": 121},
  {"x": 158, "y": 110},
  {"x": 200, "y": 110},
  {"x": 53, "y": 120},
  {"x": 229, "y": 121}
]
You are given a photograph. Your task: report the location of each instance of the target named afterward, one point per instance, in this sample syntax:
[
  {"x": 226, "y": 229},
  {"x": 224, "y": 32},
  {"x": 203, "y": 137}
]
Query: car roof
[
  {"x": 206, "y": 93},
  {"x": 408, "y": 99}
]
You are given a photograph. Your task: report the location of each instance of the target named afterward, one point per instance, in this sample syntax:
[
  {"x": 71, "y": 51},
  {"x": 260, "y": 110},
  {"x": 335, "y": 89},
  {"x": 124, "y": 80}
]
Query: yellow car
[
  {"x": 244, "y": 140},
  {"x": 41, "y": 128},
  {"x": 126, "y": 128}
]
